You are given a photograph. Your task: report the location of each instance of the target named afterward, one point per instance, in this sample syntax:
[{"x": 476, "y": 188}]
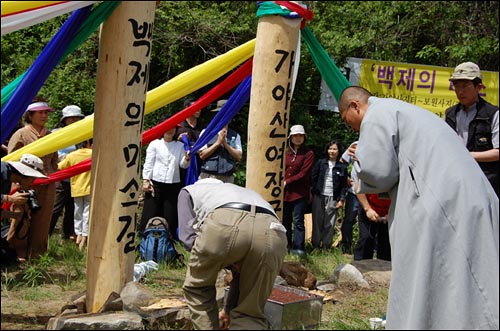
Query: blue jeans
[
  {"x": 294, "y": 211},
  {"x": 350, "y": 212}
]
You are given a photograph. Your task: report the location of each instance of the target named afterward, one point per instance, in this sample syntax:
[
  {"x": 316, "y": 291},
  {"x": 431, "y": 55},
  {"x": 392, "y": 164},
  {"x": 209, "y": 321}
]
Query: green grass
[
  {"x": 34, "y": 294},
  {"x": 62, "y": 264},
  {"x": 41, "y": 287}
]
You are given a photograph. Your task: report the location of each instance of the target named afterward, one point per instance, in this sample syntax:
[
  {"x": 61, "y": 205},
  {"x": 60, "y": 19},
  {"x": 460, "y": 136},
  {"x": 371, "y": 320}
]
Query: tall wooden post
[
  {"x": 268, "y": 120},
  {"x": 122, "y": 80}
]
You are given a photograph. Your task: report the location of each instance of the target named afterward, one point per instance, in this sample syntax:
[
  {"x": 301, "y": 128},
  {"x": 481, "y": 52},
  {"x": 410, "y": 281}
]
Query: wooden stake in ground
[
  {"x": 122, "y": 80},
  {"x": 268, "y": 119}
]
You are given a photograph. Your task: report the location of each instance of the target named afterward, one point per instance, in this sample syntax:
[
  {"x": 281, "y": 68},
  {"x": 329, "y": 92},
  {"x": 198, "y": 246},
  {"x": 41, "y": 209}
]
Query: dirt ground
[
  {"x": 31, "y": 308},
  {"x": 20, "y": 311}
]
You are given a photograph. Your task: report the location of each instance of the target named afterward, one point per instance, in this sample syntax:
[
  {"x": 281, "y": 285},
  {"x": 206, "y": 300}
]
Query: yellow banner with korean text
[{"x": 422, "y": 85}]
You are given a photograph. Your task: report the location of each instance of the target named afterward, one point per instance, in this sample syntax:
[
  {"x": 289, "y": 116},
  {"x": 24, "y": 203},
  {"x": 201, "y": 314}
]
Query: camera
[{"x": 32, "y": 200}]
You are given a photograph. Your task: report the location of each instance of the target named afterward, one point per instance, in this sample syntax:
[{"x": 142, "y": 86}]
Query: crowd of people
[
  {"x": 36, "y": 117},
  {"x": 62, "y": 199},
  {"x": 423, "y": 191}
]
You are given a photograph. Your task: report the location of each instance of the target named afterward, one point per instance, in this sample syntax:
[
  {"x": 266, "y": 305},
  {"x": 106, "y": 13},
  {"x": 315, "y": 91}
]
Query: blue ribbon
[
  {"x": 235, "y": 102},
  {"x": 38, "y": 73}
]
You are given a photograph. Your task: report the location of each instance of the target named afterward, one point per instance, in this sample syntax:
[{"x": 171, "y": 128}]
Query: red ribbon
[
  {"x": 306, "y": 14},
  {"x": 147, "y": 136}
]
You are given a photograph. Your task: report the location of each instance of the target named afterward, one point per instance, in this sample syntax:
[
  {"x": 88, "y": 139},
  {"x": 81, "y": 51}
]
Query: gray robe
[{"x": 443, "y": 220}]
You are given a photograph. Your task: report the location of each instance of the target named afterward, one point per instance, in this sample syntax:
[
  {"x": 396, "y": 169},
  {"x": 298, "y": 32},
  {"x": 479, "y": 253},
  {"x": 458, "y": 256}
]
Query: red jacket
[{"x": 298, "y": 173}]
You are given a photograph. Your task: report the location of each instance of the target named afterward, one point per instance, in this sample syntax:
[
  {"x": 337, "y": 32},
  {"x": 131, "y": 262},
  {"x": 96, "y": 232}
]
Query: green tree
[
  {"x": 188, "y": 33},
  {"x": 442, "y": 33}
]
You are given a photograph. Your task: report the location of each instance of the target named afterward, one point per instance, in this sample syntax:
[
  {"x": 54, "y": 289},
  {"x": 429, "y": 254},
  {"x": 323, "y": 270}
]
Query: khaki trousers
[{"x": 257, "y": 242}]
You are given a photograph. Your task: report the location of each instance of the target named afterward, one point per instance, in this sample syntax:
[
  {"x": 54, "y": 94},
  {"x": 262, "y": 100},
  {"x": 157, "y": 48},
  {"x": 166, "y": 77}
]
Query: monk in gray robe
[{"x": 443, "y": 219}]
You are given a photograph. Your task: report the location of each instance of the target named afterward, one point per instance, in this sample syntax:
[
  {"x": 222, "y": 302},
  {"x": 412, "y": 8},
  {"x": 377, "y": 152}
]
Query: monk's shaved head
[{"x": 353, "y": 93}]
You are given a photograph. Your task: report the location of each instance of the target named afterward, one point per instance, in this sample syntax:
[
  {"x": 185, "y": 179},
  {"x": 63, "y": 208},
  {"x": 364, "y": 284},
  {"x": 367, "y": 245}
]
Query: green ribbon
[{"x": 98, "y": 15}]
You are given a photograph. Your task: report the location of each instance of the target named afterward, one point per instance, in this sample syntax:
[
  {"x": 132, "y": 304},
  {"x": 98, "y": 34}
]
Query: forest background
[{"x": 189, "y": 33}]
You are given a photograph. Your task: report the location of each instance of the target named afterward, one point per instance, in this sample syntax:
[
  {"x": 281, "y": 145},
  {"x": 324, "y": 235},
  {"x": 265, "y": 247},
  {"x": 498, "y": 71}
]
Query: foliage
[
  {"x": 61, "y": 265},
  {"x": 74, "y": 264},
  {"x": 188, "y": 33},
  {"x": 36, "y": 273},
  {"x": 8, "y": 280},
  {"x": 405, "y": 31}
]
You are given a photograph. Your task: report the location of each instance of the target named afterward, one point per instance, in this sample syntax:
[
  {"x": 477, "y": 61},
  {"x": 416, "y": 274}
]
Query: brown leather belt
[{"x": 246, "y": 207}]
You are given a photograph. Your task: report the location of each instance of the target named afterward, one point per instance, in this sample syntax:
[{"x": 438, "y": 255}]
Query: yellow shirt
[{"x": 80, "y": 184}]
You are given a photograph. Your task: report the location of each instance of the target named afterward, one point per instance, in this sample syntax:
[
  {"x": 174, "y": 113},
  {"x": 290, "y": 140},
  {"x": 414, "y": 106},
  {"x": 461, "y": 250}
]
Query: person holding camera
[
  {"x": 23, "y": 173},
  {"x": 20, "y": 175}
]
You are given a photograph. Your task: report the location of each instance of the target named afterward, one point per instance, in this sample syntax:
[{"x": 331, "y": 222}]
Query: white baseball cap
[
  {"x": 220, "y": 103},
  {"x": 29, "y": 165}
]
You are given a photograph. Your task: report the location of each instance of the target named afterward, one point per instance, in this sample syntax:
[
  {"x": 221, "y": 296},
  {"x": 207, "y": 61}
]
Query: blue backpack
[{"x": 157, "y": 244}]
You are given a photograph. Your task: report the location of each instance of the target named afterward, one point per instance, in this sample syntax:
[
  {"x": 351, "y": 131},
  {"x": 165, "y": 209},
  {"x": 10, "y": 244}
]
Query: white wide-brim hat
[
  {"x": 297, "y": 129},
  {"x": 29, "y": 165},
  {"x": 71, "y": 111}
]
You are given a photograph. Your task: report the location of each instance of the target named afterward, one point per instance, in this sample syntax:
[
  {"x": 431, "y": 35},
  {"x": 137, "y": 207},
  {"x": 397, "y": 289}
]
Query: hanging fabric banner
[{"x": 422, "y": 85}]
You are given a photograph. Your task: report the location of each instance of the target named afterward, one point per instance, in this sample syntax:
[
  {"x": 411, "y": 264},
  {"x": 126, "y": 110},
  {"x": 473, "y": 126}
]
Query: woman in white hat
[
  {"x": 36, "y": 117},
  {"x": 299, "y": 161},
  {"x": 64, "y": 201}
]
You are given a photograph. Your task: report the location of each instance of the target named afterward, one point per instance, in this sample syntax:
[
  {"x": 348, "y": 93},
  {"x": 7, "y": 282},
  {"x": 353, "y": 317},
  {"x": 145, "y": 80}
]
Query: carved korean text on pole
[
  {"x": 134, "y": 114},
  {"x": 132, "y": 127},
  {"x": 132, "y": 154},
  {"x": 275, "y": 152},
  {"x": 142, "y": 34}
]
